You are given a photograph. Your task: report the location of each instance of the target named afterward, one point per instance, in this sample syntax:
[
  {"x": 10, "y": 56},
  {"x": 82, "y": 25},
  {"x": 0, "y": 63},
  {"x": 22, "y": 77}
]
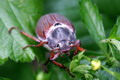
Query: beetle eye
[
  {"x": 57, "y": 45},
  {"x": 70, "y": 43}
]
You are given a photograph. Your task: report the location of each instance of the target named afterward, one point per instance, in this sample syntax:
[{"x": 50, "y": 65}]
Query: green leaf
[
  {"x": 5, "y": 47},
  {"x": 115, "y": 33},
  {"x": 13, "y": 15},
  {"x": 73, "y": 64},
  {"x": 82, "y": 69},
  {"x": 103, "y": 75},
  {"x": 112, "y": 62},
  {"x": 115, "y": 74},
  {"x": 115, "y": 42},
  {"x": 80, "y": 55},
  {"x": 93, "y": 22},
  {"x": 76, "y": 60},
  {"x": 118, "y": 30},
  {"x": 88, "y": 77},
  {"x": 1, "y": 78},
  {"x": 79, "y": 68}
]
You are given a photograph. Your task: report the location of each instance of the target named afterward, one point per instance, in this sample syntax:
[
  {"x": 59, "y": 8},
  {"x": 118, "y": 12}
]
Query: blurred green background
[{"x": 109, "y": 10}]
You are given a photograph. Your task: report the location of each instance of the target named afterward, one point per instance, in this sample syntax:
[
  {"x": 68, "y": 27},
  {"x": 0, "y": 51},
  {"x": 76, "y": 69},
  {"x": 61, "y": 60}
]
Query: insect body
[
  {"x": 57, "y": 31},
  {"x": 57, "y": 34}
]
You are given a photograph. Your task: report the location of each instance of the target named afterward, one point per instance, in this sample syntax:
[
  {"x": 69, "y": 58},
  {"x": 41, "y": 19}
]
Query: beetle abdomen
[{"x": 50, "y": 20}]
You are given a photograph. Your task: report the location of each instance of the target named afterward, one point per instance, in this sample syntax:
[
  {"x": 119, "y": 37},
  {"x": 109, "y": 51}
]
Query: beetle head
[{"x": 64, "y": 46}]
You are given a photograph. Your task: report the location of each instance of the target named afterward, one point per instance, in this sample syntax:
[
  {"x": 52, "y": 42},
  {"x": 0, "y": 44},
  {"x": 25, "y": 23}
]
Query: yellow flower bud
[{"x": 96, "y": 64}]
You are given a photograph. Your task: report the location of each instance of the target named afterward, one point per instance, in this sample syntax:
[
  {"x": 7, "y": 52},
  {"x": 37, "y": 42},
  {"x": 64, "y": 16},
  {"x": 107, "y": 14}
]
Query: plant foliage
[{"x": 99, "y": 62}]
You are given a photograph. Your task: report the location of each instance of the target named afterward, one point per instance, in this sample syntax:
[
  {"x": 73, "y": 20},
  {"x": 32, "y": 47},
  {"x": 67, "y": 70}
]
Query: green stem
[{"x": 89, "y": 59}]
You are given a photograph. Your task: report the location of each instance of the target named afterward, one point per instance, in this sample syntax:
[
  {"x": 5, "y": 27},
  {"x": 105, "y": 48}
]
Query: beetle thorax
[{"x": 60, "y": 36}]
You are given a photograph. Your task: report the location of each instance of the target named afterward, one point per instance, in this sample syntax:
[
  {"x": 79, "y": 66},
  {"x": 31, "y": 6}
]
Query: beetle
[{"x": 57, "y": 34}]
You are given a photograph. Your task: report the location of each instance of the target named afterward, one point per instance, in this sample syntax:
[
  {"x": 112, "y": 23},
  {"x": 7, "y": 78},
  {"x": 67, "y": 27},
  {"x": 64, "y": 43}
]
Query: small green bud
[
  {"x": 82, "y": 69},
  {"x": 42, "y": 76},
  {"x": 73, "y": 64},
  {"x": 88, "y": 77}
]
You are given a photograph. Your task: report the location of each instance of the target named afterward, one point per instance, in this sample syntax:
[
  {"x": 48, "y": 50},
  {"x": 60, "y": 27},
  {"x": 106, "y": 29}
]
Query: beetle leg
[
  {"x": 78, "y": 48},
  {"x": 34, "y": 38},
  {"x": 47, "y": 61},
  {"x": 81, "y": 49},
  {"x": 40, "y": 44},
  {"x": 76, "y": 52},
  {"x": 68, "y": 53},
  {"x": 53, "y": 57},
  {"x": 59, "y": 65},
  {"x": 63, "y": 67}
]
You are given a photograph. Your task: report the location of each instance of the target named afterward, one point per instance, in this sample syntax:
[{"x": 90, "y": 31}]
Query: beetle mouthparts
[{"x": 65, "y": 51}]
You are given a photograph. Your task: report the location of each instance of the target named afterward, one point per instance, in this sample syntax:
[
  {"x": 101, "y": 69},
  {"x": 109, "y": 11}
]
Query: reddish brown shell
[{"x": 46, "y": 21}]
